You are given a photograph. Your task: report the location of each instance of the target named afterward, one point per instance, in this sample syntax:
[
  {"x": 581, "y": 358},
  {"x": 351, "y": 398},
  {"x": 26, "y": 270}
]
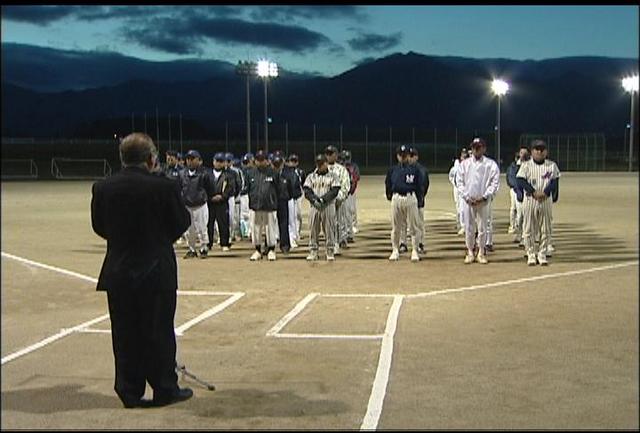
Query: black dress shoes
[
  {"x": 181, "y": 394},
  {"x": 137, "y": 403}
]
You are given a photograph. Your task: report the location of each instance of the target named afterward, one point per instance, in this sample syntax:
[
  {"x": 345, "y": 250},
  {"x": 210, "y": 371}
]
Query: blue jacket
[{"x": 403, "y": 179}]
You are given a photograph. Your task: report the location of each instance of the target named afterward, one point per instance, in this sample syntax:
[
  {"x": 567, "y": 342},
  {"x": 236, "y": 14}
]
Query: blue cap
[
  {"x": 180, "y": 155},
  {"x": 193, "y": 154},
  {"x": 403, "y": 149},
  {"x": 247, "y": 156},
  {"x": 261, "y": 155},
  {"x": 219, "y": 156},
  {"x": 229, "y": 156},
  {"x": 236, "y": 161},
  {"x": 270, "y": 156}
]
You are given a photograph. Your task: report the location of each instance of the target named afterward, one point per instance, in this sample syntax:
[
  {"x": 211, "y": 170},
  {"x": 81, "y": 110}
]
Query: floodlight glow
[
  {"x": 266, "y": 68},
  {"x": 499, "y": 87},
  {"x": 630, "y": 84}
]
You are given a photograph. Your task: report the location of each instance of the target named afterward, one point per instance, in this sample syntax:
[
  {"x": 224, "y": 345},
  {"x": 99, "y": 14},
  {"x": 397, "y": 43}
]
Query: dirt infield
[{"x": 358, "y": 343}]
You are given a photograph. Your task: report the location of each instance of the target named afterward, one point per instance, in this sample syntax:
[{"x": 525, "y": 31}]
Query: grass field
[{"x": 358, "y": 343}]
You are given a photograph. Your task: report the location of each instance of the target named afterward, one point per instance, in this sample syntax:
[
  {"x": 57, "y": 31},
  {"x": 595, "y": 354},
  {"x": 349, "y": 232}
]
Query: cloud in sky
[{"x": 374, "y": 42}]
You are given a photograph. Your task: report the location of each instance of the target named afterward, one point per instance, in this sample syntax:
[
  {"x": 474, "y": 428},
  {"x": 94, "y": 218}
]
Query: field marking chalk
[
  {"x": 330, "y": 336},
  {"x": 291, "y": 314},
  {"x": 210, "y": 312},
  {"x": 50, "y": 268},
  {"x": 379, "y": 389}
]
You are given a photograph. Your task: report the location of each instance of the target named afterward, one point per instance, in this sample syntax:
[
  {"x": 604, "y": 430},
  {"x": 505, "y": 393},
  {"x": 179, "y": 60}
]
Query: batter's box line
[{"x": 180, "y": 330}]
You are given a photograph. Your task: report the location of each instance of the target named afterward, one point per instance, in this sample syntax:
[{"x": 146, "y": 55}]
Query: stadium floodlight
[
  {"x": 630, "y": 85},
  {"x": 499, "y": 88},
  {"x": 265, "y": 70},
  {"x": 247, "y": 69}
]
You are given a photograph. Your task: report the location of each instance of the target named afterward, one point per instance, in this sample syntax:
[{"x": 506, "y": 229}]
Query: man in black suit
[{"x": 141, "y": 215}]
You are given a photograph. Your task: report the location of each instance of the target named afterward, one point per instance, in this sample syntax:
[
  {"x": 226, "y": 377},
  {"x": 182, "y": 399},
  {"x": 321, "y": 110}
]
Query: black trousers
[
  {"x": 144, "y": 341},
  {"x": 219, "y": 212},
  {"x": 283, "y": 223}
]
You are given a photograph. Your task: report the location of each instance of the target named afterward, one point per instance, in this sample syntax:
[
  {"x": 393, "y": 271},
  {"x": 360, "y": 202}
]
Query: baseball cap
[
  {"x": 413, "y": 151},
  {"x": 180, "y": 155},
  {"x": 219, "y": 156},
  {"x": 229, "y": 156},
  {"x": 538, "y": 145},
  {"x": 321, "y": 158},
  {"x": 293, "y": 157},
  {"x": 236, "y": 161},
  {"x": 247, "y": 156},
  {"x": 330, "y": 149},
  {"x": 171, "y": 152},
  {"x": 345, "y": 154},
  {"x": 402, "y": 149},
  {"x": 260, "y": 155},
  {"x": 478, "y": 142},
  {"x": 277, "y": 159},
  {"x": 193, "y": 154}
]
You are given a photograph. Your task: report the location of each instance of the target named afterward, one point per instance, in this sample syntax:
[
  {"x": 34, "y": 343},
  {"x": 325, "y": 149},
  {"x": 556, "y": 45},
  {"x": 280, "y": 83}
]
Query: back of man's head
[{"x": 136, "y": 148}]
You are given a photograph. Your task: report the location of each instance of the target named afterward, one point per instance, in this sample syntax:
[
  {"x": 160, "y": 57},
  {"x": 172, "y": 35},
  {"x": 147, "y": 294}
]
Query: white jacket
[{"x": 478, "y": 178}]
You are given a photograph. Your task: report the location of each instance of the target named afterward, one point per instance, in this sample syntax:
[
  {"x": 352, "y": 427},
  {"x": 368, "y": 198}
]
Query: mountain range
[{"x": 57, "y": 93}]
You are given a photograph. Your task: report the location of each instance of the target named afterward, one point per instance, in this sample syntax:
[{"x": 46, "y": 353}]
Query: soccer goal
[
  {"x": 69, "y": 168},
  {"x": 19, "y": 169}
]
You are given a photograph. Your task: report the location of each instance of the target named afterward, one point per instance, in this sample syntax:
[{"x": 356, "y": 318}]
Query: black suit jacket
[{"x": 140, "y": 215}]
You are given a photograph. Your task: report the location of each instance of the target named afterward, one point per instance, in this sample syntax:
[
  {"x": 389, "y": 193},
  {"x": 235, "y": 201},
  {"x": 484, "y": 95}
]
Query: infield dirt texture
[{"x": 448, "y": 346}]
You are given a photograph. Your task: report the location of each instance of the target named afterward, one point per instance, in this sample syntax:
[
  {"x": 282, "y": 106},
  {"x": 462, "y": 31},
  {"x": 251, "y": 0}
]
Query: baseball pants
[
  {"x": 232, "y": 214},
  {"x": 419, "y": 229},
  {"x": 293, "y": 220},
  {"x": 268, "y": 221},
  {"x": 404, "y": 209},
  {"x": 489, "y": 228},
  {"x": 299, "y": 215},
  {"x": 324, "y": 220},
  {"x": 198, "y": 228},
  {"x": 475, "y": 218},
  {"x": 341, "y": 227},
  {"x": 513, "y": 211},
  {"x": 351, "y": 209},
  {"x": 283, "y": 224},
  {"x": 355, "y": 211},
  {"x": 219, "y": 216},
  {"x": 245, "y": 227},
  {"x": 536, "y": 225}
]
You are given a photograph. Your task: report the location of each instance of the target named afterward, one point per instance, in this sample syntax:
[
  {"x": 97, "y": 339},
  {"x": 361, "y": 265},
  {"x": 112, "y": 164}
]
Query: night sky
[{"x": 327, "y": 40}]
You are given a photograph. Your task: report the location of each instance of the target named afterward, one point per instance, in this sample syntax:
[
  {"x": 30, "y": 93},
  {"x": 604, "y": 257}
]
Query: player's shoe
[
  {"x": 355, "y": 230},
  {"x": 415, "y": 257},
  {"x": 343, "y": 245},
  {"x": 531, "y": 260},
  {"x": 336, "y": 250},
  {"x": 489, "y": 248},
  {"x": 313, "y": 255},
  {"x": 482, "y": 259},
  {"x": 271, "y": 255},
  {"x": 511, "y": 231},
  {"x": 294, "y": 244},
  {"x": 204, "y": 252},
  {"x": 542, "y": 259},
  {"x": 225, "y": 249},
  {"x": 395, "y": 255},
  {"x": 330, "y": 256},
  {"x": 421, "y": 249},
  {"x": 550, "y": 250},
  {"x": 190, "y": 254},
  {"x": 461, "y": 232},
  {"x": 403, "y": 248},
  {"x": 469, "y": 258},
  {"x": 257, "y": 255},
  {"x": 350, "y": 240},
  {"x": 516, "y": 239}
]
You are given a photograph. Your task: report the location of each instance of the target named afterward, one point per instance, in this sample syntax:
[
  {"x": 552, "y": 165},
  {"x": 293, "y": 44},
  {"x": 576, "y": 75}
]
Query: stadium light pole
[
  {"x": 499, "y": 88},
  {"x": 247, "y": 69},
  {"x": 630, "y": 84},
  {"x": 266, "y": 70}
]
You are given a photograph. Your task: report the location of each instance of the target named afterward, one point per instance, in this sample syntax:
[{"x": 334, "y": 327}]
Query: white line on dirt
[
  {"x": 48, "y": 340},
  {"x": 50, "y": 268},
  {"x": 291, "y": 314},
  {"x": 379, "y": 389},
  {"x": 522, "y": 280},
  {"x": 210, "y": 312},
  {"x": 336, "y": 336}
]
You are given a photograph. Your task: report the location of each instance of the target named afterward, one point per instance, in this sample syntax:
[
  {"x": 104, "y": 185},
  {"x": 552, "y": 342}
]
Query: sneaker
[
  {"x": 204, "y": 252},
  {"x": 482, "y": 259},
  {"x": 257, "y": 255},
  {"x": 511, "y": 231},
  {"x": 469, "y": 258},
  {"x": 421, "y": 249},
  {"x": 355, "y": 230},
  {"x": 330, "y": 256},
  {"x": 489, "y": 248},
  {"x": 414, "y": 256},
  {"x": 312, "y": 256},
  {"x": 271, "y": 255},
  {"x": 225, "y": 249},
  {"x": 550, "y": 250},
  {"x": 403, "y": 248},
  {"x": 395, "y": 255},
  {"x": 336, "y": 250},
  {"x": 350, "y": 240},
  {"x": 531, "y": 260},
  {"x": 516, "y": 239},
  {"x": 294, "y": 244},
  {"x": 343, "y": 244},
  {"x": 461, "y": 232},
  {"x": 542, "y": 259},
  {"x": 190, "y": 254}
]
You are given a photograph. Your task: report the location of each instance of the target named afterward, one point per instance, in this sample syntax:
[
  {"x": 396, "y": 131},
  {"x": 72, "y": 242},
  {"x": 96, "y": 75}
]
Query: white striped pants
[
  {"x": 536, "y": 224},
  {"x": 324, "y": 220}
]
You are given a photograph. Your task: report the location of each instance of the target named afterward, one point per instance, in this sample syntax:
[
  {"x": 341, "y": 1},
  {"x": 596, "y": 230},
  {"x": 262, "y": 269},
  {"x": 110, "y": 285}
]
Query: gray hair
[{"x": 135, "y": 149}]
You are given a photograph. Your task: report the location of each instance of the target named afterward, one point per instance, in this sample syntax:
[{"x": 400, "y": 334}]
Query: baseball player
[
  {"x": 245, "y": 212},
  {"x": 419, "y": 233},
  {"x": 235, "y": 179},
  {"x": 345, "y": 184},
  {"x": 263, "y": 200},
  {"x": 321, "y": 187},
  {"x": 515, "y": 210},
  {"x": 285, "y": 193},
  {"x": 350, "y": 203},
  {"x": 539, "y": 179},
  {"x": 296, "y": 194},
  {"x": 221, "y": 189},
  {"x": 404, "y": 188},
  {"x": 477, "y": 180},
  {"x": 196, "y": 191},
  {"x": 456, "y": 195}
]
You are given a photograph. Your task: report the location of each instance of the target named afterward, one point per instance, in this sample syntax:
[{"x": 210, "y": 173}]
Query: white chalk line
[
  {"x": 85, "y": 327},
  {"x": 331, "y": 336},
  {"x": 291, "y": 314}
]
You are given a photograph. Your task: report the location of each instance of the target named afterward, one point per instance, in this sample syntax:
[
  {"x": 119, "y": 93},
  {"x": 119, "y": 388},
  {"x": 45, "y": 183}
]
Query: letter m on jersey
[{"x": 409, "y": 178}]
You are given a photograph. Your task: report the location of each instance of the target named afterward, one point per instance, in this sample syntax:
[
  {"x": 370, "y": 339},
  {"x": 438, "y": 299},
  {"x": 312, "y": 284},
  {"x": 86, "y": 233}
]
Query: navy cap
[
  {"x": 321, "y": 158},
  {"x": 478, "y": 142},
  {"x": 180, "y": 155},
  {"x": 247, "y": 156},
  {"x": 260, "y": 155},
  {"x": 229, "y": 156},
  {"x": 193, "y": 154},
  {"x": 538, "y": 145},
  {"x": 413, "y": 151},
  {"x": 330, "y": 149},
  {"x": 402, "y": 149},
  {"x": 292, "y": 157},
  {"x": 219, "y": 156},
  {"x": 277, "y": 159},
  {"x": 270, "y": 156}
]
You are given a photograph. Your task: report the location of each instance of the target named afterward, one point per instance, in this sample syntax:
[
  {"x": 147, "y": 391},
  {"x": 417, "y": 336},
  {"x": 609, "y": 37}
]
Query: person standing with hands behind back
[{"x": 141, "y": 216}]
